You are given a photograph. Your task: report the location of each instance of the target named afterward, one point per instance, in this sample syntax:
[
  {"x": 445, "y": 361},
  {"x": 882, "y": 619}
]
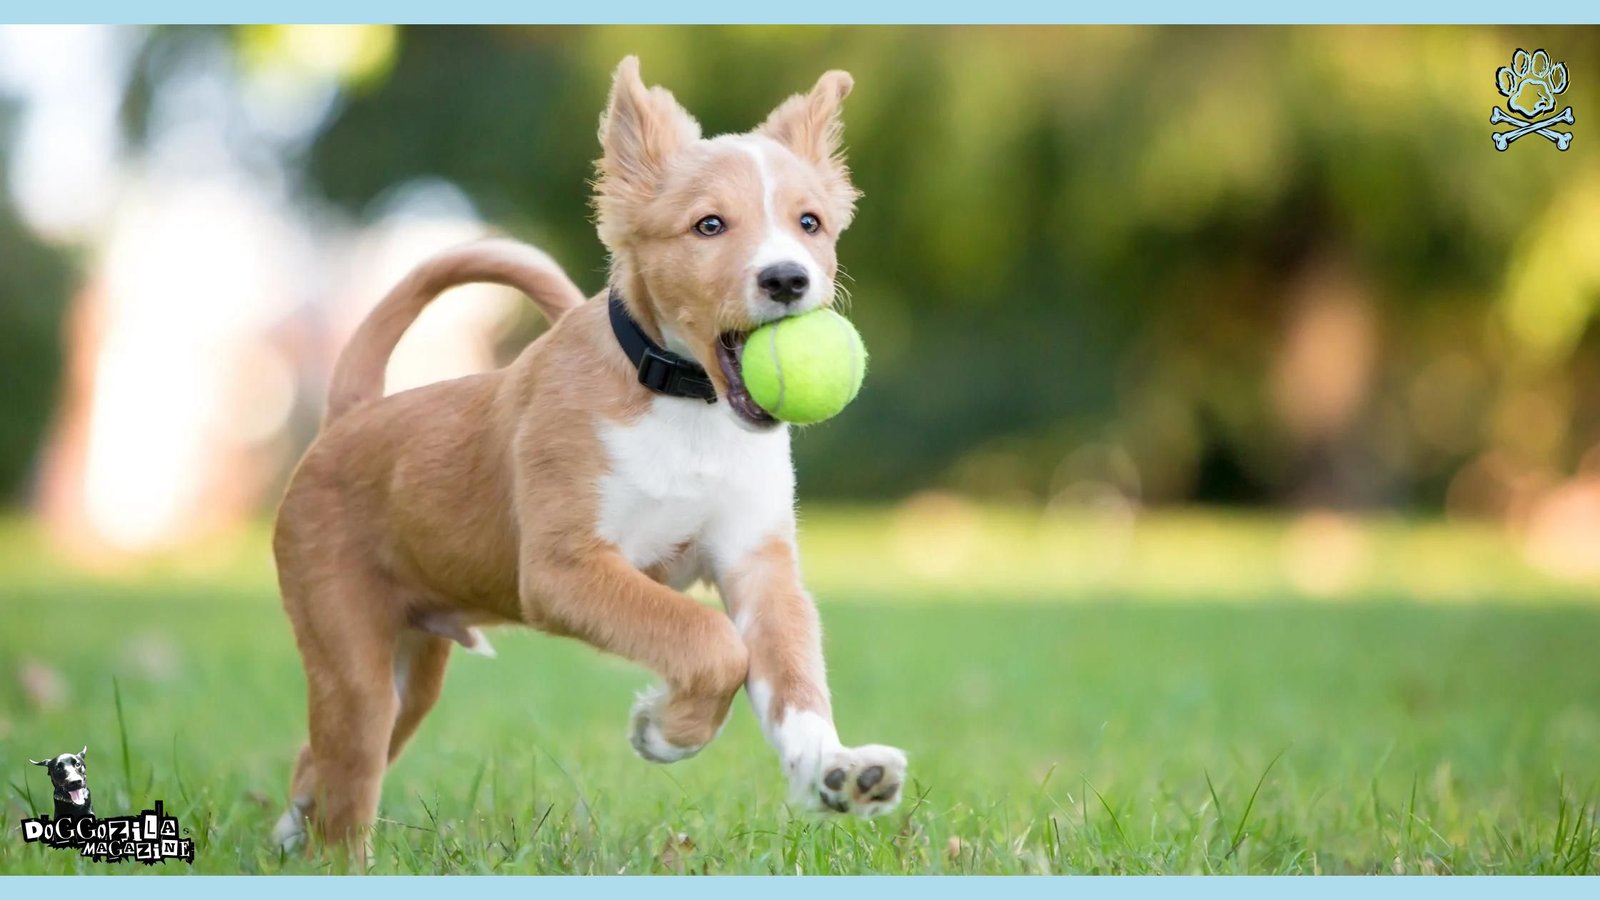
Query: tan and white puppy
[{"x": 562, "y": 494}]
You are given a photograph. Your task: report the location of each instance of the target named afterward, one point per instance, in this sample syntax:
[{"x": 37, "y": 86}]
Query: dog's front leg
[
  {"x": 593, "y": 593},
  {"x": 789, "y": 689}
]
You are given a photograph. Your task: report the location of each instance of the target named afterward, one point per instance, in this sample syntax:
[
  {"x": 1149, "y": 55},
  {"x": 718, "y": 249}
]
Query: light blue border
[
  {"x": 844, "y": 12},
  {"x": 780, "y": 888}
]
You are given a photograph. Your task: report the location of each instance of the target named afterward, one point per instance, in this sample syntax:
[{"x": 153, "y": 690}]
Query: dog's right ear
[
  {"x": 39, "y": 762},
  {"x": 640, "y": 130}
]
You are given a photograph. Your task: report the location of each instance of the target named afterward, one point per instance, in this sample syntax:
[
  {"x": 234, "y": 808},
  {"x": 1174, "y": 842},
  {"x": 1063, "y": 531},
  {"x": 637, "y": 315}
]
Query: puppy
[
  {"x": 69, "y": 776},
  {"x": 618, "y": 460}
]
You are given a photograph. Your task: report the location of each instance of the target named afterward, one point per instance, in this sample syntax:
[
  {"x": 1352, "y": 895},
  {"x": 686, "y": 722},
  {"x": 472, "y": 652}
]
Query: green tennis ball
[{"x": 804, "y": 369}]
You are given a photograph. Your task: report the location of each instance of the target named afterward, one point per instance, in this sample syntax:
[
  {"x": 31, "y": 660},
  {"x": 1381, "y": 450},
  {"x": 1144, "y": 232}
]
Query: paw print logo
[
  {"x": 1530, "y": 85},
  {"x": 1531, "y": 82}
]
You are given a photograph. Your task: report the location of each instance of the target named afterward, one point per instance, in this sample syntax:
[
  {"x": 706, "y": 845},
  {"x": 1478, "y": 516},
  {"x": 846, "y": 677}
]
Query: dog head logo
[
  {"x": 1530, "y": 85},
  {"x": 69, "y": 776}
]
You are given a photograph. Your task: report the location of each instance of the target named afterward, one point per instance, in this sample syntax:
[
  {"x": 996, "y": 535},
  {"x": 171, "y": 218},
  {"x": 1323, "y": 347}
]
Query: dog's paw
[
  {"x": 865, "y": 781},
  {"x": 289, "y": 834},
  {"x": 645, "y": 734}
]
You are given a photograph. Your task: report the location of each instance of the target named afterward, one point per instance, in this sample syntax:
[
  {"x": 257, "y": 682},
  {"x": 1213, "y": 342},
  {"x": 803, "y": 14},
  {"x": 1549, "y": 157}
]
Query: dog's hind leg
[
  {"x": 342, "y": 806},
  {"x": 354, "y": 708},
  {"x": 347, "y": 626},
  {"x": 419, "y": 676},
  {"x": 290, "y": 831},
  {"x": 419, "y": 665}
]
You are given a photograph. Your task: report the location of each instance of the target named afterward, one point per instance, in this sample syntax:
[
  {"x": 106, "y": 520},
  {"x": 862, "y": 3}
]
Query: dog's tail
[{"x": 358, "y": 375}]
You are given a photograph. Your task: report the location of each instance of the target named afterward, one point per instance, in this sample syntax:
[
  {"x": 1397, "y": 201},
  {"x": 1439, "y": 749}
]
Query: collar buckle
[
  {"x": 667, "y": 375},
  {"x": 659, "y": 369}
]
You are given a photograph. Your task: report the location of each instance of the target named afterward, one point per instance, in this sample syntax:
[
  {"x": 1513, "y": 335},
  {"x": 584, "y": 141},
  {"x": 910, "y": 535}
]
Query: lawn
[{"x": 1176, "y": 694}]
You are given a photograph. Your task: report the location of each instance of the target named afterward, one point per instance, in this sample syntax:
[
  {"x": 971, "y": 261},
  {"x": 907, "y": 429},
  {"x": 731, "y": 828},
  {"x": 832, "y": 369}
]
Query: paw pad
[{"x": 865, "y": 781}]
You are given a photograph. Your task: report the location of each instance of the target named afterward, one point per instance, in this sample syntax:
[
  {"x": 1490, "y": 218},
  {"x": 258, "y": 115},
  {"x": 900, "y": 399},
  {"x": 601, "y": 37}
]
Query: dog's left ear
[
  {"x": 84, "y": 753},
  {"x": 811, "y": 124}
]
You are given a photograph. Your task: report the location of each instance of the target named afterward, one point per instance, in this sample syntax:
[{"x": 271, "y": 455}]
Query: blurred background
[{"x": 1111, "y": 278}]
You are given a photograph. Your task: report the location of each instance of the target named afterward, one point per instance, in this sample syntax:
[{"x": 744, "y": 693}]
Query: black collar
[{"x": 660, "y": 369}]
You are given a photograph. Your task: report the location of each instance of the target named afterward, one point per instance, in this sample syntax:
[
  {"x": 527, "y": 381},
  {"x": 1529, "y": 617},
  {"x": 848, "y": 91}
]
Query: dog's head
[
  {"x": 69, "y": 774},
  {"x": 712, "y": 237}
]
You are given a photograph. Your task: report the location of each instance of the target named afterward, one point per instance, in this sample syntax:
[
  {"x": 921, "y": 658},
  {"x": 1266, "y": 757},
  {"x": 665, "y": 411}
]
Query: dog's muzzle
[{"x": 729, "y": 346}]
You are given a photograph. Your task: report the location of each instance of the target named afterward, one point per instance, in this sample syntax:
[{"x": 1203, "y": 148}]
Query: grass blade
[
  {"x": 1238, "y": 833},
  {"x": 122, "y": 732}
]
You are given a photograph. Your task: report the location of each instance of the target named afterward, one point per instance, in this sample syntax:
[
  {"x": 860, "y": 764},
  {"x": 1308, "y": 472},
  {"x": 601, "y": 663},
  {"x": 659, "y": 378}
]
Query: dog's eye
[
  {"x": 710, "y": 226},
  {"x": 810, "y": 223}
]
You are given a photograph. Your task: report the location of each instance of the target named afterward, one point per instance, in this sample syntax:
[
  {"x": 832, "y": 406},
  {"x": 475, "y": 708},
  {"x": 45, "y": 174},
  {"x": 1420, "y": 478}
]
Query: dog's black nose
[{"x": 784, "y": 282}]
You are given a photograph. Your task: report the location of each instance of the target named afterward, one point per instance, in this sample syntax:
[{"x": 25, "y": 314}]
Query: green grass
[{"x": 1057, "y": 721}]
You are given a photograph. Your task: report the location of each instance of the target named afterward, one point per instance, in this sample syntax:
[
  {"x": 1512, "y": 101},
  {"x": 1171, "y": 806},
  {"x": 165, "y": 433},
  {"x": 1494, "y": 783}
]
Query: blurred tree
[
  {"x": 34, "y": 286},
  {"x": 1251, "y": 264}
]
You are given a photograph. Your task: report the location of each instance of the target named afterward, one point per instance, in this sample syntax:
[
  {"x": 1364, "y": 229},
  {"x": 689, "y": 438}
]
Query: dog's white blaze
[
  {"x": 778, "y": 244},
  {"x": 686, "y": 473}
]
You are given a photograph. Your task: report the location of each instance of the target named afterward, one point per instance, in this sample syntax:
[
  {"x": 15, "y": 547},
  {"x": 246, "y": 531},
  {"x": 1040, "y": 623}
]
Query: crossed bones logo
[{"x": 1530, "y": 85}]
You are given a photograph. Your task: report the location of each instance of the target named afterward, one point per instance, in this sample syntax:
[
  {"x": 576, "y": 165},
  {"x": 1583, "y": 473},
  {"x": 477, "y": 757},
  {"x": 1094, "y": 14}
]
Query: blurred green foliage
[
  {"x": 1101, "y": 237},
  {"x": 34, "y": 286},
  {"x": 1071, "y": 234}
]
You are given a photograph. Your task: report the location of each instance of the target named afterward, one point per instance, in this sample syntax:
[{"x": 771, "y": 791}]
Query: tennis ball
[{"x": 804, "y": 369}]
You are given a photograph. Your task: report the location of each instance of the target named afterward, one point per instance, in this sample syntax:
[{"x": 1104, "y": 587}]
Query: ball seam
[{"x": 777, "y": 365}]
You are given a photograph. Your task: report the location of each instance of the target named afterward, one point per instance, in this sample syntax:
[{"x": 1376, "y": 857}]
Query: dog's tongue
[{"x": 76, "y": 795}]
